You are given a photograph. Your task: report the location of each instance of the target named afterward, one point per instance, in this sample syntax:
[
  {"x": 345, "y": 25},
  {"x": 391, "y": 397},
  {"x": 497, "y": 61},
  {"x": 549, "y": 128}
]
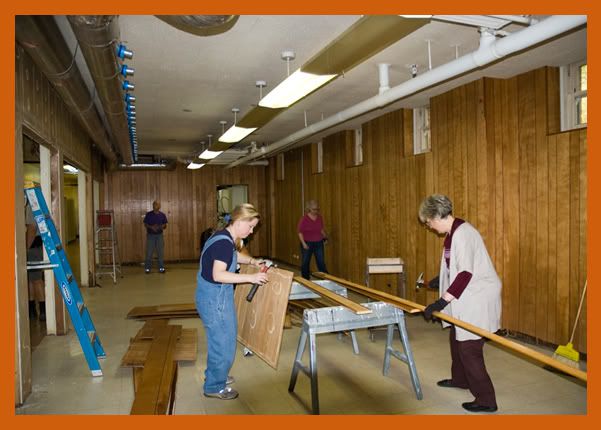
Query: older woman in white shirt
[{"x": 470, "y": 291}]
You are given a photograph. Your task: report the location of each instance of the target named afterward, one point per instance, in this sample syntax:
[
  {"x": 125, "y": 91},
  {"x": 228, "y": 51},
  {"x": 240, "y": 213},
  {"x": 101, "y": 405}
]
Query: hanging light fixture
[
  {"x": 296, "y": 86},
  {"x": 207, "y": 154},
  {"x": 235, "y": 134}
]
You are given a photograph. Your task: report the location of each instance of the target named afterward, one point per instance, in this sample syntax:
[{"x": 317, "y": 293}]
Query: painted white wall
[
  {"x": 83, "y": 229},
  {"x": 48, "y": 274}
]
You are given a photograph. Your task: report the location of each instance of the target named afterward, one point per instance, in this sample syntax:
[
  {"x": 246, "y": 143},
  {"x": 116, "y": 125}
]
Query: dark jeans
[
  {"x": 468, "y": 369},
  {"x": 154, "y": 242},
  {"x": 317, "y": 249}
]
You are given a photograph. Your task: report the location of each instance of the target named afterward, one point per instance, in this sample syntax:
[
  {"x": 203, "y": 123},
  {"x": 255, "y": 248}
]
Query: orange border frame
[{"x": 10, "y": 9}]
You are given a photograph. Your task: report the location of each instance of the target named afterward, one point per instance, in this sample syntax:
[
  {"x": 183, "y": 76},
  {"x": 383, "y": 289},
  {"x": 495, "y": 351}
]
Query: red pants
[{"x": 468, "y": 369}]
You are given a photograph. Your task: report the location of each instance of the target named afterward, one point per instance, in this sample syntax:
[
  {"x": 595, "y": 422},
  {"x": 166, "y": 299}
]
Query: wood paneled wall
[
  {"x": 494, "y": 155},
  {"x": 46, "y": 116},
  {"x": 188, "y": 198}
]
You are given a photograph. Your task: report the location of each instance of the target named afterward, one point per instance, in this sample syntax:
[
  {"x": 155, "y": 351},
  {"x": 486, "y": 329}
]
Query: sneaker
[
  {"x": 227, "y": 393},
  {"x": 162, "y": 270},
  {"x": 147, "y": 271}
]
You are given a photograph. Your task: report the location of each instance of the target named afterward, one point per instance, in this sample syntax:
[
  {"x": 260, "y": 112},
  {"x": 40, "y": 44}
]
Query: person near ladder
[
  {"x": 155, "y": 222},
  {"x": 470, "y": 291},
  {"x": 215, "y": 297},
  {"x": 35, "y": 278}
]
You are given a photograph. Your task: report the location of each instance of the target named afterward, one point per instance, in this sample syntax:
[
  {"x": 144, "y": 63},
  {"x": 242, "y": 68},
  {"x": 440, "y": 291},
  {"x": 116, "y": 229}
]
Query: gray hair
[
  {"x": 310, "y": 205},
  {"x": 435, "y": 206}
]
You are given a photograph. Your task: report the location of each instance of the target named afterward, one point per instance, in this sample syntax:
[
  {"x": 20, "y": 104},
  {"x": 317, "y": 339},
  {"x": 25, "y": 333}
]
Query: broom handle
[
  {"x": 389, "y": 298},
  {"x": 578, "y": 313}
]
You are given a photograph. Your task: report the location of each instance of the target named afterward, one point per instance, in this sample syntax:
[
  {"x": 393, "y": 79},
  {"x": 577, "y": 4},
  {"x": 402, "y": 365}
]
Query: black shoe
[
  {"x": 474, "y": 407},
  {"x": 448, "y": 383}
]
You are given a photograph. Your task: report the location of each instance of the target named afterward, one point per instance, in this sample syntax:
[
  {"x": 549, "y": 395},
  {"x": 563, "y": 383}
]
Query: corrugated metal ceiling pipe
[
  {"x": 490, "y": 50},
  {"x": 97, "y": 35},
  {"x": 42, "y": 40}
]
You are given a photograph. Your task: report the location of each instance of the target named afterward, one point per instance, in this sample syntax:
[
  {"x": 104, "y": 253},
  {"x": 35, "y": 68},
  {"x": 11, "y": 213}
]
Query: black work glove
[{"x": 437, "y": 306}]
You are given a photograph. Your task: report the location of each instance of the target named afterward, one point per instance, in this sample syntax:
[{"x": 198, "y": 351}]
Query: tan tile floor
[{"x": 348, "y": 383}]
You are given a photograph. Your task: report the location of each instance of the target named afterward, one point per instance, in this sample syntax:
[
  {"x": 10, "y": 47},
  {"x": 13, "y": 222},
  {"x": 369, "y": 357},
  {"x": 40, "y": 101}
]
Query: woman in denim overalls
[{"x": 215, "y": 297}]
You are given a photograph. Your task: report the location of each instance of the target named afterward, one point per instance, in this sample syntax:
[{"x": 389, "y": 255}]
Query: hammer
[{"x": 264, "y": 268}]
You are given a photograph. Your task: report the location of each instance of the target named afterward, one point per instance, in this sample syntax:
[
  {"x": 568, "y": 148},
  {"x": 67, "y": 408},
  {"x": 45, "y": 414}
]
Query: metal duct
[
  {"x": 97, "y": 35},
  {"x": 201, "y": 25},
  {"x": 42, "y": 40}
]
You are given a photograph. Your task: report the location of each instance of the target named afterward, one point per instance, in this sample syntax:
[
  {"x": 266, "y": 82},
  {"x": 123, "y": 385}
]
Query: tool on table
[{"x": 267, "y": 264}]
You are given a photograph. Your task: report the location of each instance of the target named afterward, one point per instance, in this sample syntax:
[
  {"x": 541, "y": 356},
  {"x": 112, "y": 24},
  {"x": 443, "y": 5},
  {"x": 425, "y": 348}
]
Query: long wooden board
[
  {"x": 542, "y": 358},
  {"x": 186, "y": 348},
  {"x": 155, "y": 390},
  {"x": 330, "y": 295},
  {"x": 183, "y": 310},
  {"x": 261, "y": 322},
  {"x": 404, "y": 304}
]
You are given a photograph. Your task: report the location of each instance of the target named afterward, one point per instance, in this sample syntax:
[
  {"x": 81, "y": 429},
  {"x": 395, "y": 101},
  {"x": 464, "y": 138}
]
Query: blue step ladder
[{"x": 80, "y": 316}]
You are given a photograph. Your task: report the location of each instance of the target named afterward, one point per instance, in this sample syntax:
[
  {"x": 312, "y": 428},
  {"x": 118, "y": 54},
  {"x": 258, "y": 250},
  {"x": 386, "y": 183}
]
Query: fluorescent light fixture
[
  {"x": 416, "y": 16},
  {"x": 70, "y": 169},
  {"x": 194, "y": 166},
  {"x": 293, "y": 88},
  {"x": 144, "y": 165},
  {"x": 209, "y": 155},
  {"x": 235, "y": 134}
]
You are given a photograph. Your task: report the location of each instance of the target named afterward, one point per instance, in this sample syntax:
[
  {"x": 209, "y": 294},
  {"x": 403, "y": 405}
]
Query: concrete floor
[{"x": 348, "y": 383}]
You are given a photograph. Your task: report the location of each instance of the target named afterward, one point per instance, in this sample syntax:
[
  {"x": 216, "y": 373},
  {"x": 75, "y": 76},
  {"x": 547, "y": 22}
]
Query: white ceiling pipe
[
  {"x": 490, "y": 50},
  {"x": 383, "y": 74}
]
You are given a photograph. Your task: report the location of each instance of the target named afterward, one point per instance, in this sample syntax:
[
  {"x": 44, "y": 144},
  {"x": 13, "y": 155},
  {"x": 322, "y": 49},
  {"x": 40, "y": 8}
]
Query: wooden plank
[
  {"x": 261, "y": 322},
  {"x": 155, "y": 387},
  {"x": 386, "y": 268},
  {"x": 331, "y": 296},
  {"x": 186, "y": 348},
  {"x": 580, "y": 339},
  {"x": 562, "y": 300},
  {"x": 526, "y": 121},
  {"x": 163, "y": 310},
  {"x": 552, "y": 237},
  {"x": 542, "y": 208},
  {"x": 383, "y": 261},
  {"x": 404, "y": 304}
]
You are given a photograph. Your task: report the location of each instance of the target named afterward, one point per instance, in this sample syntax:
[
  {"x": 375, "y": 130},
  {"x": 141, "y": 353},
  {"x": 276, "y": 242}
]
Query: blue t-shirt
[
  {"x": 153, "y": 218},
  {"x": 221, "y": 250}
]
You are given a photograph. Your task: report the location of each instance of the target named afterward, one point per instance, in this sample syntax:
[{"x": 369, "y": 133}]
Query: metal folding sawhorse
[
  {"x": 338, "y": 318},
  {"x": 300, "y": 292}
]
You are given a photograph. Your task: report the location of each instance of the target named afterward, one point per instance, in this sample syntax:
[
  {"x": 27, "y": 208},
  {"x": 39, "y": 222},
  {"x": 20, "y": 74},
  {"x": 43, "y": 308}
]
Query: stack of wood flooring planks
[{"x": 153, "y": 355}]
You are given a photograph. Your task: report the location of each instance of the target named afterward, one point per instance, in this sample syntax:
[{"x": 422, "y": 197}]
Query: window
[
  {"x": 421, "y": 130},
  {"x": 574, "y": 96}
]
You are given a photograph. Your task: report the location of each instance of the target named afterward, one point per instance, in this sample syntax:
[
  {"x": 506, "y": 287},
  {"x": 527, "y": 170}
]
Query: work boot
[{"x": 42, "y": 316}]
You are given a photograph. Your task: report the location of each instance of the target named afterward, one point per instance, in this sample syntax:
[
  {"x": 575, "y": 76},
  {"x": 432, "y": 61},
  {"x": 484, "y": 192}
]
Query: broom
[{"x": 566, "y": 353}]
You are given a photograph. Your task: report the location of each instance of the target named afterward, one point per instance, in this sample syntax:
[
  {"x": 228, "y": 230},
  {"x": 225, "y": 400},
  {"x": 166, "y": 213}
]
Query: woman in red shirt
[{"x": 312, "y": 235}]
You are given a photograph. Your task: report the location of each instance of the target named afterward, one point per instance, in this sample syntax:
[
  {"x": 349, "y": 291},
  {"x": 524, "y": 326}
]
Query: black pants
[{"x": 468, "y": 369}]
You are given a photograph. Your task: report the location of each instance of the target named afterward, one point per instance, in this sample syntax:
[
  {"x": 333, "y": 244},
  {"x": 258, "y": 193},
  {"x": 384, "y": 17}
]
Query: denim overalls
[{"x": 215, "y": 305}]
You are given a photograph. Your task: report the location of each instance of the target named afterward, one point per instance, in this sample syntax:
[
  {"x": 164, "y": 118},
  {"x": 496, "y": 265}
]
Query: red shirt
[{"x": 311, "y": 230}]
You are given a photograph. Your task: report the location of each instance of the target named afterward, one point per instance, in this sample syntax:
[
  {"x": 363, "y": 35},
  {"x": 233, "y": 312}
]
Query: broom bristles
[{"x": 568, "y": 355}]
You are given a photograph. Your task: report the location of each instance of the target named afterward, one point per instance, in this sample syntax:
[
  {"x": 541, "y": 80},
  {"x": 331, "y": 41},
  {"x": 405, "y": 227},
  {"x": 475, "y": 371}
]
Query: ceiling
[{"x": 186, "y": 84}]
